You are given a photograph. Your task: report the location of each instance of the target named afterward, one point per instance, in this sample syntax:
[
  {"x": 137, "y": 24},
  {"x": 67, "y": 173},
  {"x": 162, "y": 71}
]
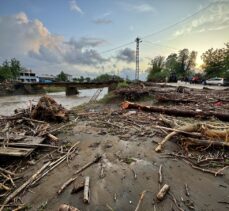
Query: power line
[
  {"x": 179, "y": 22},
  {"x": 164, "y": 46},
  {"x": 116, "y": 48},
  {"x": 163, "y": 29}
]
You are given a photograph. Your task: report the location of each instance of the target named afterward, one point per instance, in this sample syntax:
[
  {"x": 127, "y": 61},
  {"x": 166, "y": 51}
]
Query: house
[
  {"x": 69, "y": 78},
  {"x": 27, "y": 76}
]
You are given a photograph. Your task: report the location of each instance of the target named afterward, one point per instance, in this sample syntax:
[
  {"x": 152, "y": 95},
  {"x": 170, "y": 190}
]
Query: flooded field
[{"x": 10, "y": 103}]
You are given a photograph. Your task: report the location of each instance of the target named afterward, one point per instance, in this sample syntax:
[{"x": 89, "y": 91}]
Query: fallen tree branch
[{"x": 186, "y": 128}]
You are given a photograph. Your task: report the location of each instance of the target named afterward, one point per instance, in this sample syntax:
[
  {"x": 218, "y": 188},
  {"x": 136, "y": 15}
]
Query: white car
[{"x": 217, "y": 81}]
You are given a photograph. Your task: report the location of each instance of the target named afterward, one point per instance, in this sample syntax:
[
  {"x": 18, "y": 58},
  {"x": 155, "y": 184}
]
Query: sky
[{"x": 88, "y": 37}]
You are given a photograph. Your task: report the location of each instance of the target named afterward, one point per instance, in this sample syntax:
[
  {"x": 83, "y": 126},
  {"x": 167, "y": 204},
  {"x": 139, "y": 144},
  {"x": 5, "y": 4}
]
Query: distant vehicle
[{"x": 217, "y": 81}]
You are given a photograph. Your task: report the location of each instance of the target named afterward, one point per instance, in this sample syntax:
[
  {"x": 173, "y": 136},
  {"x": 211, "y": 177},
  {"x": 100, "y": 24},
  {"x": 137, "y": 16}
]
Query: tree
[
  {"x": 171, "y": 62},
  {"x": 5, "y": 71},
  {"x": 62, "y": 76},
  {"x": 10, "y": 70},
  {"x": 107, "y": 78},
  {"x": 186, "y": 62},
  {"x": 15, "y": 67},
  {"x": 216, "y": 62},
  {"x": 157, "y": 71}
]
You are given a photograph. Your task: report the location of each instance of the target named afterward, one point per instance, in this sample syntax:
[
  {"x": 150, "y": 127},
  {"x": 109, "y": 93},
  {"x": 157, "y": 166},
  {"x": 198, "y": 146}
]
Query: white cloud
[
  {"x": 143, "y": 8},
  {"x": 139, "y": 8},
  {"x": 21, "y": 37},
  {"x": 75, "y": 7},
  {"x": 214, "y": 18}
]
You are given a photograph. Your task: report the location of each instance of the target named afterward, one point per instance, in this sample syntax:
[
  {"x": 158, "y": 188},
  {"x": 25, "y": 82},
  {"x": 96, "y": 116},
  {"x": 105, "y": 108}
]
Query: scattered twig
[
  {"x": 140, "y": 200},
  {"x": 160, "y": 180}
]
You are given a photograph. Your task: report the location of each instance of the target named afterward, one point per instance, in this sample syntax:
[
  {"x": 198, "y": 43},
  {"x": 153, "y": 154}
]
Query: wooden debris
[
  {"x": 160, "y": 180},
  {"x": 52, "y": 137},
  {"x": 164, "y": 190},
  {"x": 23, "y": 186},
  {"x": 186, "y": 128},
  {"x": 77, "y": 187},
  {"x": 69, "y": 181},
  {"x": 65, "y": 207},
  {"x": 47, "y": 109},
  {"x": 176, "y": 112},
  {"x": 86, "y": 194},
  {"x": 140, "y": 200},
  {"x": 187, "y": 190}
]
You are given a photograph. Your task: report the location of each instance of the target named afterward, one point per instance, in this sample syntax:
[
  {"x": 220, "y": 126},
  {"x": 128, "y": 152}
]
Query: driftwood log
[{"x": 176, "y": 112}]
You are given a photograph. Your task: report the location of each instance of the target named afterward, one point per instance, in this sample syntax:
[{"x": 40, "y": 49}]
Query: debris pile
[{"x": 48, "y": 109}]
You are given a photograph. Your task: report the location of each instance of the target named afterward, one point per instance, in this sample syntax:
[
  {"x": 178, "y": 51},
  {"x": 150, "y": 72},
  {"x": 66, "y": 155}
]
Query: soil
[
  {"x": 129, "y": 165},
  {"x": 118, "y": 189}
]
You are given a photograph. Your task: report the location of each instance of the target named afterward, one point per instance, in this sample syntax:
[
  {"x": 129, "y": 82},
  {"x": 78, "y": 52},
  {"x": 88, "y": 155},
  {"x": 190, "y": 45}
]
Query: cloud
[
  {"x": 103, "y": 19},
  {"x": 127, "y": 55},
  {"x": 32, "y": 40},
  {"x": 139, "y": 8},
  {"x": 215, "y": 18},
  {"x": 74, "y": 7},
  {"x": 143, "y": 8}
]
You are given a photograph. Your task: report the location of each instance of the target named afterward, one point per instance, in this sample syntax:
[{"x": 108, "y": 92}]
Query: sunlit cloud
[{"x": 214, "y": 18}]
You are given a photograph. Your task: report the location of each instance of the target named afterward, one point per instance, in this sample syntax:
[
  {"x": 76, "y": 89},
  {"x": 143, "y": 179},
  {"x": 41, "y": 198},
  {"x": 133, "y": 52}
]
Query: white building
[{"x": 27, "y": 76}]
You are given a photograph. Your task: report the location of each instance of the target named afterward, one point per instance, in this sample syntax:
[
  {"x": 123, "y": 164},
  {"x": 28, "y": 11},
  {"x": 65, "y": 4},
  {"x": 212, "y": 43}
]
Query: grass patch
[{"x": 123, "y": 84}]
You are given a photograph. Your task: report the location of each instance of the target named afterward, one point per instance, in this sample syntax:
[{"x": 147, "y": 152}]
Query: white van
[{"x": 217, "y": 81}]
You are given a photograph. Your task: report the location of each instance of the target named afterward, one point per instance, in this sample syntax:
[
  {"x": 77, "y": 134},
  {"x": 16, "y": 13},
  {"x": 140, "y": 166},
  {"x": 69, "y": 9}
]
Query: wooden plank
[
  {"x": 33, "y": 140},
  {"x": 15, "y": 152}
]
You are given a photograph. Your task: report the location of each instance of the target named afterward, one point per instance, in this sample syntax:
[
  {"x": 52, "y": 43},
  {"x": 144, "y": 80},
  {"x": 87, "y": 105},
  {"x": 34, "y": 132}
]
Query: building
[
  {"x": 69, "y": 78},
  {"x": 27, "y": 76},
  {"x": 46, "y": 78}
]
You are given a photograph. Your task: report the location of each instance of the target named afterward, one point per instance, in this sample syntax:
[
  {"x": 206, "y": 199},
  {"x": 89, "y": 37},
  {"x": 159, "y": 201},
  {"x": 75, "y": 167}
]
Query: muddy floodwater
[{"x": 10, "y": 103}]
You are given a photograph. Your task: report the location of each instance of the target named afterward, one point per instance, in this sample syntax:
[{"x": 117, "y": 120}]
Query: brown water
[{"x": 10, "y": 103}]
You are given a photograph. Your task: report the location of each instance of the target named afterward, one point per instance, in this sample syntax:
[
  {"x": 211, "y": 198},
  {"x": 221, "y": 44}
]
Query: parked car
[{"x": 217, "y": 81}]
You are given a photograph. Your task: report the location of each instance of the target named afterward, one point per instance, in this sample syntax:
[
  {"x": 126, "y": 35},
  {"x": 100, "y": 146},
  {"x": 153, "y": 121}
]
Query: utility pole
[{"x": 137, "y": 40}]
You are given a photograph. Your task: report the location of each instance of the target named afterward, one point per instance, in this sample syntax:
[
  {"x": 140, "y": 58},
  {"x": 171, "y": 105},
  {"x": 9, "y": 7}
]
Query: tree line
[
  {"x": 10, "y": 70},
  {"x": 182, "y": 65}
]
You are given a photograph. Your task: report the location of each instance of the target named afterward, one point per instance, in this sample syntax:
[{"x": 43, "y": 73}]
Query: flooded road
[{"x": 10, "y": 103}]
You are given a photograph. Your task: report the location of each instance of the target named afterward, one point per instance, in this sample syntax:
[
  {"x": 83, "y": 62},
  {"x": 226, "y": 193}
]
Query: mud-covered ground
[{"x": 129, "y": 165}]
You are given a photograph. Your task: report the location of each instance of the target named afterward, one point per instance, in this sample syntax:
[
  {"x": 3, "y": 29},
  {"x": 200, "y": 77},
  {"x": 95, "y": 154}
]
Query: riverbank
[{"x": 126, "y": 140}]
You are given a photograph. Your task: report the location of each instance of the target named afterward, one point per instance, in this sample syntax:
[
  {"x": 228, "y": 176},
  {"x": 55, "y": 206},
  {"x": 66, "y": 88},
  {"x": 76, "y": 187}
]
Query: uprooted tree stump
[{"x": 48, "y": 109}]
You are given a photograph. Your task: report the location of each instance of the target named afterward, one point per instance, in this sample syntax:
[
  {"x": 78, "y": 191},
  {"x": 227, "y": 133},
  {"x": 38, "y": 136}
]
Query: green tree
[
  {"x": 157, "y": 71},
  {"x": 15, "y": 67},
  {"x": 216, "y": 62},
  {"x": 5, "y": 71},
  {"x": 81, "y": 79},
  {"x": 107, "y": 77},
  {"x": 62, "y": 76},
  {"x": 186, "y": 62}
]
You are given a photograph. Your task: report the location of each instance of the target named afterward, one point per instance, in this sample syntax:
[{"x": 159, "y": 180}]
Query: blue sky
[{"x": 71, "y": 35}]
